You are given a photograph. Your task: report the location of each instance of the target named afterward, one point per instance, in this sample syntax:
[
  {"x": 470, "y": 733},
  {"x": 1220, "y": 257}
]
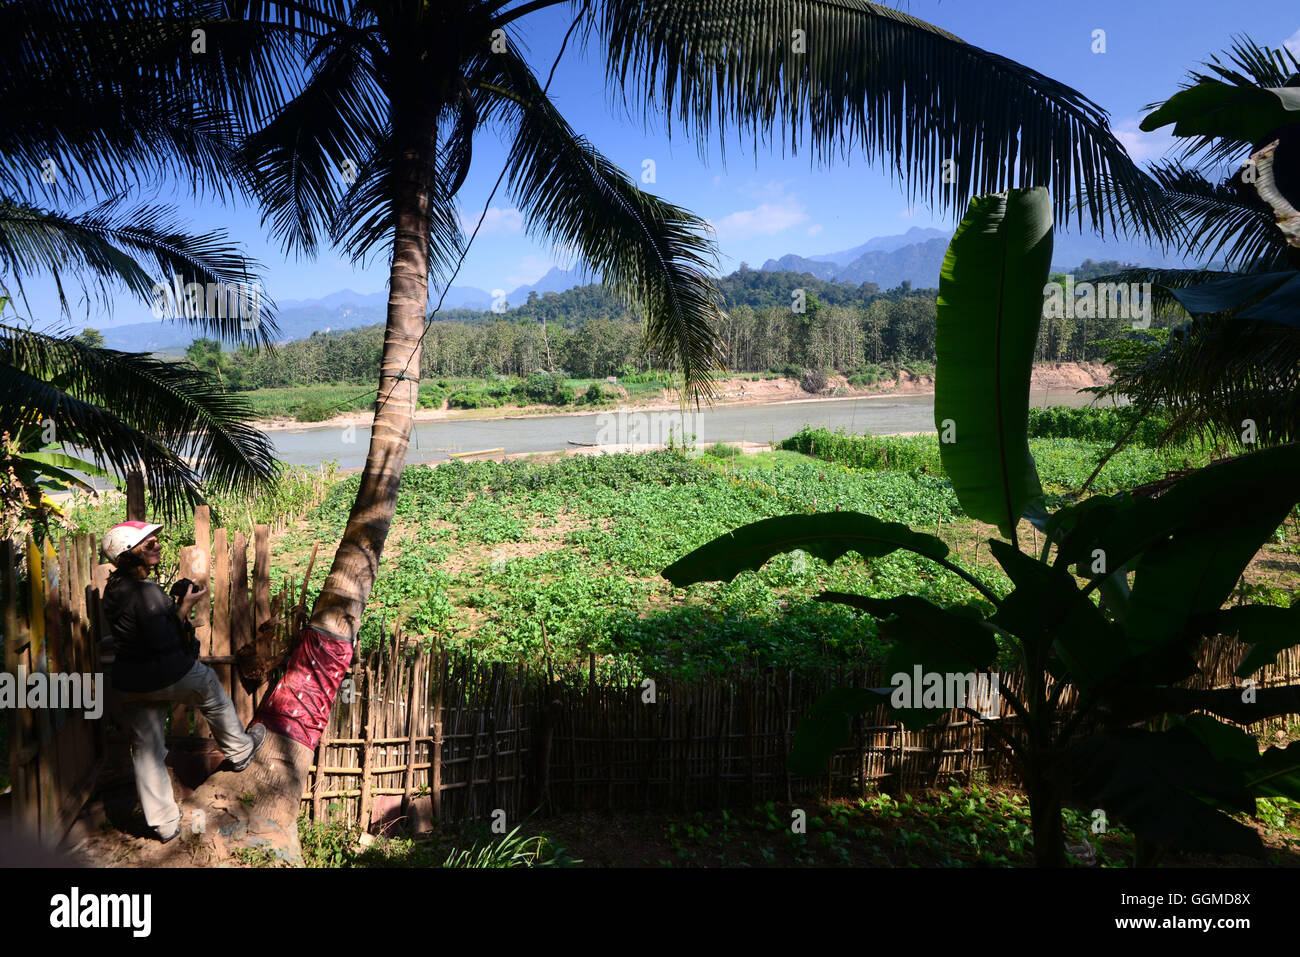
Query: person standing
[{"x": 154, "y": 667}]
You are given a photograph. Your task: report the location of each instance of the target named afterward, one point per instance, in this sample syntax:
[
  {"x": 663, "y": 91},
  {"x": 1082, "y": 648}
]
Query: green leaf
[
  {"x": 1268, "y": 630},
  {"x": 1189, "y": 546},
  {"x": 1046, "y": 604},
  {"x": 64, "y": 461},
  {"x": 826, "y": 535},
  {"x": 926, "y": 637},
  {"x": 1276, "y": 774},
  {"x": 1278, "y": 294},
  {"x": 1214, "y": 108},
  {"x": 990, "y": 304},
  {"x": 827, "y": 727},
  {"x": 1170, "y": 787}
]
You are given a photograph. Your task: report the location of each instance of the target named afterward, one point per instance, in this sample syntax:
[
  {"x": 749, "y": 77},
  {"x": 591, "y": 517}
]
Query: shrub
[
  {"x": 812, "y": 380},
  {"x": 1096, "y": 425},
  {"x": 431, "y": 397},
  {"x": 789, "y": 370},
  {"x": 868, "y": 375},
  {"x": 313, "y": 412},
  {"x": 918, "y": 453},
  {"x": 721, "y": 450},
  {"x": 473, "y": 399},
  {"x": 546, "y": 388}
]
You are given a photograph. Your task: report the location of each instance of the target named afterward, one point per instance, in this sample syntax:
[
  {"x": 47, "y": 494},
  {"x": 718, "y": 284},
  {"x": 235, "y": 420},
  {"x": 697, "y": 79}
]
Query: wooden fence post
[
  {"x": 241, "y": 623},
  {"x": 367, "y": 734},
  {"x": 220, "y": 592},
  {"x": 135, "y": 497},
  {"x": 413, "y": 729},
  {"x": 22, "y": 739}
]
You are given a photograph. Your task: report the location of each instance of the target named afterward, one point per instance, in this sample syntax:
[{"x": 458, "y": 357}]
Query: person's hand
[{"x": 191, "y": 599}]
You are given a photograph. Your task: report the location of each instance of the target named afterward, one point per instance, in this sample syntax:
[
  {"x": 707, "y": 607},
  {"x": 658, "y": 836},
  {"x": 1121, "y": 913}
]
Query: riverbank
[{"x": 735, "y": 391}]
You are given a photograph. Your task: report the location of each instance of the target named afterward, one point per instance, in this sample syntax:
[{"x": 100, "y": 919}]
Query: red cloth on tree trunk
[{"x": 299, "y": 707}]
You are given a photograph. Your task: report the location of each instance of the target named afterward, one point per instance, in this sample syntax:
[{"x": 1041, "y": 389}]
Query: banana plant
[{"x": 1114, "y": 605}]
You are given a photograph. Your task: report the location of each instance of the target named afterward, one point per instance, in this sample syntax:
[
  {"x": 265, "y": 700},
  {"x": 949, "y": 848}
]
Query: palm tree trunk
[{"x": 296, "y": 711}]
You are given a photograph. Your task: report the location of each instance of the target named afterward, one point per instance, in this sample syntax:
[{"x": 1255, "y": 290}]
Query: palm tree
[
  {"x": 361, "y": 120},
  {"x": 82, "y": 121},
  {"x": 1238, "y": 359}
]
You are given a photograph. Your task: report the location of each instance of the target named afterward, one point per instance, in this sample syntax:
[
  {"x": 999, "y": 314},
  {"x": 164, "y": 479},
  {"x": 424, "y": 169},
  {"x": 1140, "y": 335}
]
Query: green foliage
[
  {"x": 1064, "y": 464},
  {"x": 915, "y": 454},
  {"x": 294, "y": 490},
  {"x": 1186, "y": 550},
  {"x": 990, "y": 304},
  {"x": 314, "y": 412},
  {"x": 511, "y": 850},
  {"x": 592, "y": 584},
  {"x": 545, "y": 388},
  {"x": 1104, "y": 424}
]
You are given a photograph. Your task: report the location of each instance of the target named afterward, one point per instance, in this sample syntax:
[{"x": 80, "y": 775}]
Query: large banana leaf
[
  {"x": 990, "y": 304},
  {"x": 1213, "y": 108},
  {"x": 1278, "y": 294},
  {"x": 827, "y": 536}
]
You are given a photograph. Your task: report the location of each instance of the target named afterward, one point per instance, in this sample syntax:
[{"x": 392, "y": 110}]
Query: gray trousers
[{"x": 145, "y": 713}]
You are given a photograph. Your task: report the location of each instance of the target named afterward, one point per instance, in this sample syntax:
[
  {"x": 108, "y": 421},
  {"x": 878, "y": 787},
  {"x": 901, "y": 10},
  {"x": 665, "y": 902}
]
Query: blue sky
[{"x": 762, "y": 204}]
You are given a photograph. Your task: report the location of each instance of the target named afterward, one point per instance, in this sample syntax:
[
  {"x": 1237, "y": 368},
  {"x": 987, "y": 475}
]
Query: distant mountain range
[
  {"x": 345, "y": 309},
  {"x": 915, "y": 256}
]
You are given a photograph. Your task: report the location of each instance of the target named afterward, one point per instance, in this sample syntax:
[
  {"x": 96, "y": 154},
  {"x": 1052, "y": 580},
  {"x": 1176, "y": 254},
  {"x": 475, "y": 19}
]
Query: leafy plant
[
  {"x": 1184, "y": 552},
  {"x": 511, "y": 850}
]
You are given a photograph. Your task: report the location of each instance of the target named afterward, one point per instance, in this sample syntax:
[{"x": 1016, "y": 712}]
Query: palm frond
[
  {"x": 1221, "y": 374},
  {"x": 365, "y": 221},
  {"x": 1222, "y": 219},
  {"x": 653, "y": 253},
  {"x": 951, "y": 119},
  {"x": 93, "y": 97},
  {"x": 1250, "y": 67},
  {"x": 128, "y": 410},
  {"x": 109, "y": 243},
  {"x": 307, "y": 156}
]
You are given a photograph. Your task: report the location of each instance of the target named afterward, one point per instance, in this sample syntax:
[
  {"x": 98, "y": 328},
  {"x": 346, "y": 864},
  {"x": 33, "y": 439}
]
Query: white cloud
[
  {"x": 1143, "y": 146},
  {"x": 907, "y": 213},
  {"x": 1292, "y": 43},
  {"x": 766, "y": 219},
  {"x": 498, "y": 221},
  {"x": 814, "y": 229}
]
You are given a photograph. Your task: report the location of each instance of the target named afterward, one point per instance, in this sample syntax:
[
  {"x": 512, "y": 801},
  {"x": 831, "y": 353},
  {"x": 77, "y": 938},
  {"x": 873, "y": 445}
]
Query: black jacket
[{"x": 152, "y": 645}]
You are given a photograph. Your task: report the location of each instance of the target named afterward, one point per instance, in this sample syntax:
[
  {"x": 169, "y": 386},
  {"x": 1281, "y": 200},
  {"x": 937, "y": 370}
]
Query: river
[{"x": 432, "y": 441}]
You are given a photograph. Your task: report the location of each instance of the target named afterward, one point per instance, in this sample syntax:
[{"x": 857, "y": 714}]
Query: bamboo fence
[
  {"x": 421, "y": 737},
  {"x": 50, "y": 627}
]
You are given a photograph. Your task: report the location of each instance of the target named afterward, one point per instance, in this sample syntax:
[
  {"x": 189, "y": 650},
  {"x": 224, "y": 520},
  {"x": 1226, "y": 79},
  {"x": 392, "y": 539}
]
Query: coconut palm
[
  {"x": 361, "y": 120},
  {"x": 82, "y": 123},
  {"x": 1238, "y": 359}
]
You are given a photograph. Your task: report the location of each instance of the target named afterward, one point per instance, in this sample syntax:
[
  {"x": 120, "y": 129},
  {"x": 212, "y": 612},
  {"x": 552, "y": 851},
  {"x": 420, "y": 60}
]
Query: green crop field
[{"x": 483, "y": 555}]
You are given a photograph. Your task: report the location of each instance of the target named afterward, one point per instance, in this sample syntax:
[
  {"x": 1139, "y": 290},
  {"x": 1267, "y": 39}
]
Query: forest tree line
[{"x": 775, "y": 322}]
